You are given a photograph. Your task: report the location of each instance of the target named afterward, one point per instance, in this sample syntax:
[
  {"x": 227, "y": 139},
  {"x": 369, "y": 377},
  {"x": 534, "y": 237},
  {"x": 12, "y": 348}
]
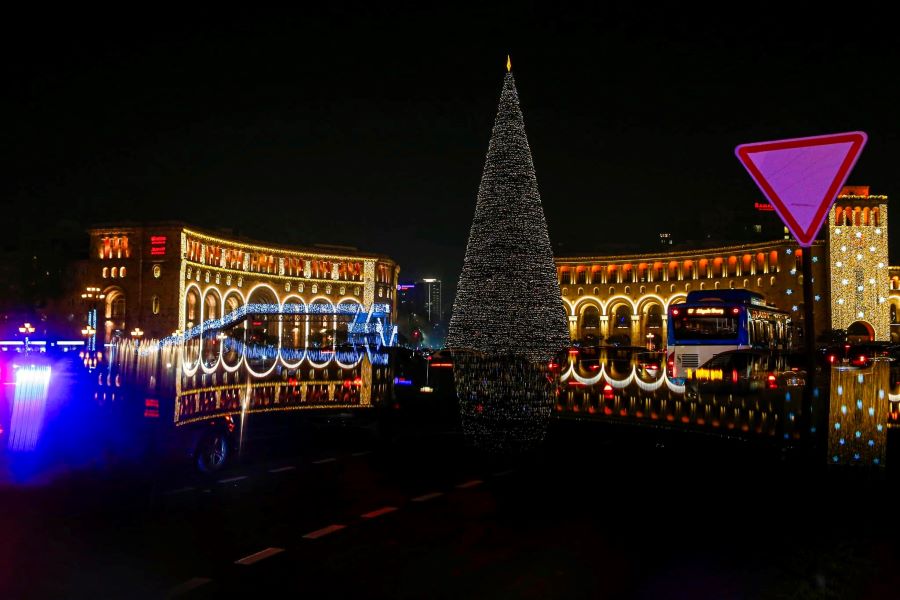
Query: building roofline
[
  {"x": 648, "y": 256},
  {"x": 232, "y": 239}
]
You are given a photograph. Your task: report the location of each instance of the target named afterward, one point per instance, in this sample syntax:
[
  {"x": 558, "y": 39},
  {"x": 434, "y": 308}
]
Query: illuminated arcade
[
  {"x": 625, "y": 298},
  {"x": 245, "y": 326}
]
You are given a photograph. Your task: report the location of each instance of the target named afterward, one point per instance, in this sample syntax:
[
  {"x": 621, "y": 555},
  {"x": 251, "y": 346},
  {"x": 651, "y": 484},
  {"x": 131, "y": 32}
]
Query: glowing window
[
  {"x": 155, "y": 305},
  {"x": 122, "y": 272},
  {"x": 157, "y": 271},
  {"x": 105, "y": 272},
  {"x": 114, "y": 272}
]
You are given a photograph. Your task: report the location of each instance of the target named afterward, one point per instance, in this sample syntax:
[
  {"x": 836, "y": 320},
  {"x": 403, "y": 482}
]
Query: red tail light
[
  {"x": 832, "y": 358},
  {"x": 675, "y": 311},
  {"x": 772, "y": 381},
  {"x": 735, "y": 310}
]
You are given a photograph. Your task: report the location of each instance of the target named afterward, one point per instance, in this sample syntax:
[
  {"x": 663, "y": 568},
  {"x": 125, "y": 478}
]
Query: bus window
[{"x": 705, "y": 328}]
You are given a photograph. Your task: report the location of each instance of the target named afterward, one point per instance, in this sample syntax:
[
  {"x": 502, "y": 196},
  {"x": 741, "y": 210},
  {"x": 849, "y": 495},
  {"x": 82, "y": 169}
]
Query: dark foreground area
[{"x": 599, "y": 511}]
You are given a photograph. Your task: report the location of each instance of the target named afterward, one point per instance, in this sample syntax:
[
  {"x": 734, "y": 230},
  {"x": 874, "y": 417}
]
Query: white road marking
[
  {"x": 426, "y": 497},
  {"x": 363, "y": 453},
  {"x": 179, "y": 491},
  {"x": 282, "y": 469},
  {"x": 313, "y": 535},
  {"x": 378, "y": 512},
  {"x": 470, "y": 484},
  {"x": 258, "y": 556},
  {"x": 233, "y": 479},
  {"x": 186, "y": 586},
  {"x": 323, "y": 461}
]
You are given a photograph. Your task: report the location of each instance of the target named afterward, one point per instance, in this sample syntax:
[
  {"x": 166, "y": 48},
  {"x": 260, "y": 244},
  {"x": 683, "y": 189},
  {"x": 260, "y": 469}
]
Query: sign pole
[{"x": 809, "y": 338}]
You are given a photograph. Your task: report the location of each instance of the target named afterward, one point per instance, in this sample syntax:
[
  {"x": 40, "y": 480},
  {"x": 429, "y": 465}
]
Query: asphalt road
[{"x": 596, "y": 513}]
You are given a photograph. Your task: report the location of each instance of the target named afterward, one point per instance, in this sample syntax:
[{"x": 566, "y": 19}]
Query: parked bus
[{"x": 713, "y": 321}]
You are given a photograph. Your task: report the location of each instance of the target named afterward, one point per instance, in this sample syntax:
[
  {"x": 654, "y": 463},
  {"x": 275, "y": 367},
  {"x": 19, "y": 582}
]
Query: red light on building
[
  {"x": 151, "y": 408},
  {"x": 763, "y": 207},
  {"x": 157, "y": 245}
]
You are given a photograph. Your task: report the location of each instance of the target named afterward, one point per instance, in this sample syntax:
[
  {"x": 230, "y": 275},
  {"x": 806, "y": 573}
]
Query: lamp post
[
  {"x": 650, "y": 342},
  {"x": 27, "y": 329},
  {"x": 137, "y": 332}
]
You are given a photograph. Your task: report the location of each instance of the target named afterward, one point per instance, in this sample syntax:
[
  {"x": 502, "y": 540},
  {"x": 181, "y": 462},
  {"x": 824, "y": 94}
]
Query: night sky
[{"x": 370, "y": 128}]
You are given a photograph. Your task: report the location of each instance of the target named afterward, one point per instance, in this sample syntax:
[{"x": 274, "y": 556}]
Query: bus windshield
[{"x": 705, "y": 328}]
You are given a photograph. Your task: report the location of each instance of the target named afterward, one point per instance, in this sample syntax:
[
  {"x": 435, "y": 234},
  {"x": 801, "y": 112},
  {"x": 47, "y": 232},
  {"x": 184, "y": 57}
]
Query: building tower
[{"x": 858, "y": 252}]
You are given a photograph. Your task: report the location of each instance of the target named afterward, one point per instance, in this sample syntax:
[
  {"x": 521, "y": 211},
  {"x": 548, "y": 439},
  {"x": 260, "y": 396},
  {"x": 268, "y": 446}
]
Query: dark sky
[{"x": 369, "y": 127}]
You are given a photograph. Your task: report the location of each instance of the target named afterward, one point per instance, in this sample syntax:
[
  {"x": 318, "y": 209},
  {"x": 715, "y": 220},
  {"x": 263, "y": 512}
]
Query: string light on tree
[{"x": 508, "y": 321}]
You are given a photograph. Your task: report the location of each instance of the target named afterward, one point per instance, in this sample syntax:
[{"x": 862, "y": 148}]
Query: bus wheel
[{"x": 212, "y": 452}]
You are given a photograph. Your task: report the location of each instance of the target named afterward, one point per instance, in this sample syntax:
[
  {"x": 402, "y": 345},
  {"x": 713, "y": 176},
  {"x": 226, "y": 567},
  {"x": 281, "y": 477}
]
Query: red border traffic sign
[{"x": 801, "y": 177}]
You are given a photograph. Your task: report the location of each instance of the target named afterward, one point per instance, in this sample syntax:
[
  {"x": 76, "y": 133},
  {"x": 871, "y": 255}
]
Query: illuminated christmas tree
[
  {"x": 508, "y": 299},
  {"x": 508, "y": 321}
]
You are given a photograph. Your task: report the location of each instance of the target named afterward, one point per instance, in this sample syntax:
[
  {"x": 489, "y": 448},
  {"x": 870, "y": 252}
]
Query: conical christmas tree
[
  {"x": 508, "y": 299},
  {"x": 508, "y": 320}
]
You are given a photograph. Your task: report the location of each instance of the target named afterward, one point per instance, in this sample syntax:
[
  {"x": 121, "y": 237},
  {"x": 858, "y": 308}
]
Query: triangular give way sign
[{"x": 801, "y": 177}]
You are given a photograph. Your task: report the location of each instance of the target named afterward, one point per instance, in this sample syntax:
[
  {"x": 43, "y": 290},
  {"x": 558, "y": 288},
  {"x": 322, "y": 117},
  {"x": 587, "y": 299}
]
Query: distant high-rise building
[
  {"x": 665, "y": 239},
  {"x": 420, "y": 313},
  {"x": 432, "y": 300}
]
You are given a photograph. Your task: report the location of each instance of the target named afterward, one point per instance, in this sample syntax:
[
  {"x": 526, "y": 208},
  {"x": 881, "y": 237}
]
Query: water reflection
[
  {"x": 504, "y": 401},
  {"x": 621, "y": 384},
  {"x": 858, "y": 414},
  {"x": 308, "y": 378}
]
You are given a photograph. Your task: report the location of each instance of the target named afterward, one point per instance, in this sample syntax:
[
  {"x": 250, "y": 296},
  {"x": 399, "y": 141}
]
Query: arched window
[
  {"x": 105, "y": 272},
  {"x": 117, "y": 307},
  {"x": 596, "y": 291},
  {"x": 612, "y": 291},
  {"x": 122, "y": 272},
  {"x": 893, "y": 314},
  {"x": 627, "y": 290},
  {"x": 590, "y": 322},
  {"x": 114, "y": 272},
  {"x": 157, "y": 271},
  {"x": 622, "y": 318},
  {"x": 717, "y": 266},
  {"x": 732, "y": 265},
  {"x": 703, "y": 267},
  {"x": 155, "y": 305},
  {"x": 654, "y": 317}
]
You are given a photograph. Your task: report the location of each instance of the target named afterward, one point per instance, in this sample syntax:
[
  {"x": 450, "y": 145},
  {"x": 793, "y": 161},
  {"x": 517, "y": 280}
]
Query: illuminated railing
[{"x": 378, "y": 311}]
